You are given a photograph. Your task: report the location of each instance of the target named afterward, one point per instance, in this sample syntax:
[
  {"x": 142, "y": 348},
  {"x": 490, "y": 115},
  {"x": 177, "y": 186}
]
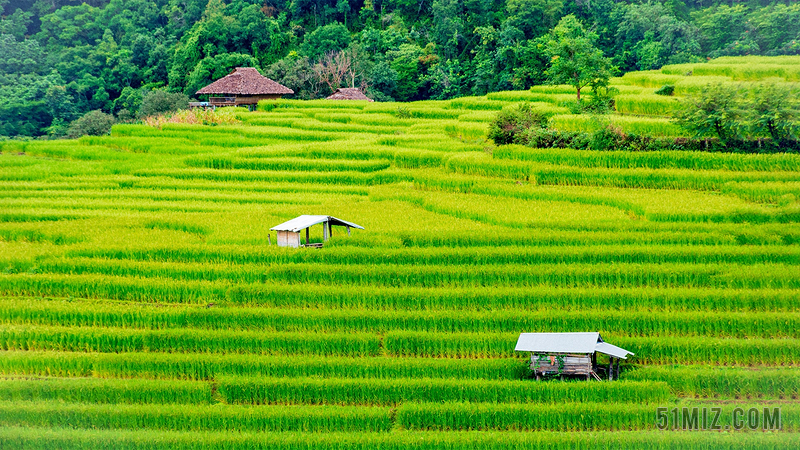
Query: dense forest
[{"x": 61, "y": 58}]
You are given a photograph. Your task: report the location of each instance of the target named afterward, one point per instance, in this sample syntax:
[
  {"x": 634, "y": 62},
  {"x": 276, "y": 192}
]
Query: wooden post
[
  {"x": 307, "y": 234},
  {"x": 269, "y": 239},
  {"x": 324, "y": 231},
  {"x": 616, "y": 370},
  {"x": 610, "y": 368},
  {"x": 348, "y": 230}
]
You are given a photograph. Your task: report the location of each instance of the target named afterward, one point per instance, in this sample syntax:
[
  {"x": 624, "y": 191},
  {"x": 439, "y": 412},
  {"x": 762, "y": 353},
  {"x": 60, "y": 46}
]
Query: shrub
[
  {"x": 667, "y": 89},
  {"x": 609, "y": 137},
  {"x": 93, "y": 123},
  {"x": 159, "y": 101},
  {"x": 512, "y": 121}
]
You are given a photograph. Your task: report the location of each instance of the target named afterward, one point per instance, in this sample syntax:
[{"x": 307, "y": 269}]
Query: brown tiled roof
[
  {"x": 245, "y": 81},
  {"x": 349, "y": 94}
]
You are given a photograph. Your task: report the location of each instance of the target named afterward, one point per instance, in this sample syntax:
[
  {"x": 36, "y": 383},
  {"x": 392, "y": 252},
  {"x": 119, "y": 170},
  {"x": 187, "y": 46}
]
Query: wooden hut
[
  {"x": 349, "y": 94},
  {"x": 289, "y": 232},
  {"x": 243, "y": 87},
  {"x": 570, "y": 354}
]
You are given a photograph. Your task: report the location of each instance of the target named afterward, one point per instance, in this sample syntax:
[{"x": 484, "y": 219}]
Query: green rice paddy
[{"x": 145, "y": 305}]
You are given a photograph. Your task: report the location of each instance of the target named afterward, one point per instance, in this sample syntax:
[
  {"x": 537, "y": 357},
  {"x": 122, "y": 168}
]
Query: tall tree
[
  {"x": 534, "y": 17},
  {"x": 574, "y": 58},
  {"x": 774, "y": 111},
  {"x": 713, "y": 111}
]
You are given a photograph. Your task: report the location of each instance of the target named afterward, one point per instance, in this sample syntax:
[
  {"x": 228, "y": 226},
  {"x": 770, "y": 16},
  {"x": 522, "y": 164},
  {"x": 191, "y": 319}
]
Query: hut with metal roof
[
  {"x": 570, "y": 354},
  {"x": 289, "y": 232},
  {"x": 348, "y": 94},
  {"x": 245, "y": 86}
]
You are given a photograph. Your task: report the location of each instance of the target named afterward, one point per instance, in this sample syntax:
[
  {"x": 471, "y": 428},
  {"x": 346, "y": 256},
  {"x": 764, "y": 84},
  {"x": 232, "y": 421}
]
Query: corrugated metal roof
[
  {"x": 305, "y": 221},
  {"x": 557, "y": 342},
  {"x": 568, "y": 343},
  {"x": 612, "y": 350}
]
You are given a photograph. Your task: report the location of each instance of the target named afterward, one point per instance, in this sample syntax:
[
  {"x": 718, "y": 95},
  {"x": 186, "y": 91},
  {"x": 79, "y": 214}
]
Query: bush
[
  {"x": 403, "y": 112},
  {"x": 667, "y": 89},
  {"x": 549, "y": 138},
  {"x": 93, "y": 123},
  {"x": 610, "y": 137},
  {"x": 159, "y": 102},
  {"x": 511, "y": 122}
]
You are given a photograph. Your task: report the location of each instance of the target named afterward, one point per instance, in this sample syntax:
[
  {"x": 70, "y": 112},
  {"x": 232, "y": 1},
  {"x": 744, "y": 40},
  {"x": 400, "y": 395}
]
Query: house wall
[
  {"x": 573, "y": 365},
  {"x": 288, "y": 239}
]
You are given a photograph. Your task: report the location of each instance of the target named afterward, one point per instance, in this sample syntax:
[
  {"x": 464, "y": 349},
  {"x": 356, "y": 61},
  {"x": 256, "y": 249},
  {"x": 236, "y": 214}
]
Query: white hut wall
[{"x": 288, "y": 239}]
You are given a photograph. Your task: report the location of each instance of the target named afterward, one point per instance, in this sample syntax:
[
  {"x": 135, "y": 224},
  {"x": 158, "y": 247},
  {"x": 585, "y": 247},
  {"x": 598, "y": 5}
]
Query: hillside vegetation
[
  {"x": 144, "y": 307},
  {"x": 64, "y": 58}
]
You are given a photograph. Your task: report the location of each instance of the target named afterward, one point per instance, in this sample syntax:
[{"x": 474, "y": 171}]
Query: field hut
[
  {"x": 289, "y": 232},
  {"x": 349, "y": 94},
  {"x": 243, "y": 87},
  {"x": 570, "y": 354}
]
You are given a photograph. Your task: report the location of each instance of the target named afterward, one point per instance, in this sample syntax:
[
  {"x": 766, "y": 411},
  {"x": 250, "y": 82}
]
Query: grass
[
  {"x": 144, "y": 304},
  {"x": 646, "y": 126}
]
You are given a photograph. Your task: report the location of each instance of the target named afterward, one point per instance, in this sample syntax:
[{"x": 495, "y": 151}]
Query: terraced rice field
[{"x": 144, "y": 307}]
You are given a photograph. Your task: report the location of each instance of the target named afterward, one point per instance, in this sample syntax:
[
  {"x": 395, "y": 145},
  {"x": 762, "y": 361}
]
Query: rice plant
[{"x": 144, "y": 303}]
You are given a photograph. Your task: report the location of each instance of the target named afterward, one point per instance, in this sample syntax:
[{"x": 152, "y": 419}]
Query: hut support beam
[{"x": 307, "y": 235}]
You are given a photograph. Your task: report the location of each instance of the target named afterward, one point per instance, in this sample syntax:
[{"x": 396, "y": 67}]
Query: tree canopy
[
  {"x": 107, "y": 54},
  {"x": 574, "y": 58}
]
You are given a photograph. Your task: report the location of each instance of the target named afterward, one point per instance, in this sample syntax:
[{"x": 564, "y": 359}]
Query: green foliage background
[{"x": 63, "y": 58}]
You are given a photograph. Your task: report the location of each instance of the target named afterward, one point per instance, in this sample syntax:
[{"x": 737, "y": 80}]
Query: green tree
[
  {"x": 405, "y": 61},
  {"x": 574, "y": 59},
  {"x": 59, "y": 103},
  {"x": 329, "y": 38},
  {"x": 128, "y": 102},
  {"x": 16, "y": 24},
  {"x": 774, "y": 111},
  {"x": 534, "y": 17},
  {"x": 214, "y": 68},
  {"x": 648, "y": 35},
  {"x": 713, "y": 111},
  {"x": 382, "y": 82},
  {"x": 448, "y": 27}
]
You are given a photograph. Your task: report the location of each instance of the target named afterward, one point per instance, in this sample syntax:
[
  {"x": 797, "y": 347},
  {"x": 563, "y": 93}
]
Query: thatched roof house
[
  {"x": 243, "y": 86},
  {"x": 349, "y": 94}
]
